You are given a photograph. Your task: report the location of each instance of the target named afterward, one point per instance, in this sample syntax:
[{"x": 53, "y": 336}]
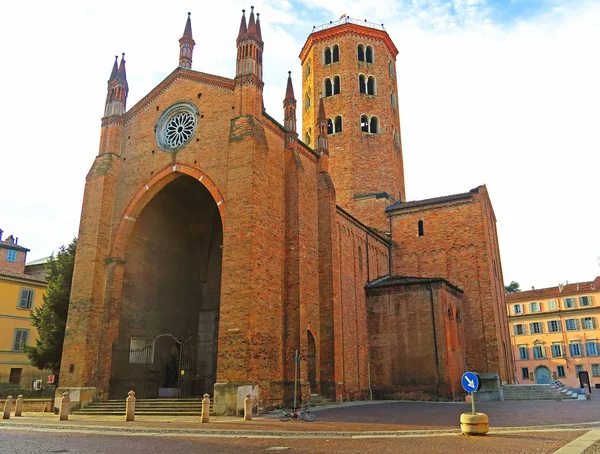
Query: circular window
[{"x": 176, "y": 126}]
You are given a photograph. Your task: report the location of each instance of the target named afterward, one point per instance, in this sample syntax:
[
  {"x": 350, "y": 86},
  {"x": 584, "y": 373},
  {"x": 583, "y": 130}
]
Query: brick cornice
[
  {"x": 249, "y": 79},
  {"x": 179, "y": 73},
  {"x": 346, "y": 29}
]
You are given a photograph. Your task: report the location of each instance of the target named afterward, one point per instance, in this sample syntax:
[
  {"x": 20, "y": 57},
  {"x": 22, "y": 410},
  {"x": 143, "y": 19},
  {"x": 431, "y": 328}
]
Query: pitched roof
[
  {"x": 14, "y": 247},
  {"x": 25, "y": 277},
  {"x": 41, "y": 261},
  {"x": 569, "y": 289},
  {"x": 424, "y": 202},
  {"x": 389, "y": 281}
]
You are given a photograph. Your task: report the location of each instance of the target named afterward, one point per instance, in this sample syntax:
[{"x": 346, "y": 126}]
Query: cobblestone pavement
[{"x": 17, "y": 442}]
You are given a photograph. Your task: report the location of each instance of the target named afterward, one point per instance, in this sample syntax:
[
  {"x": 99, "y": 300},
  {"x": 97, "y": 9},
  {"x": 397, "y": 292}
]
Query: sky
[{"x": 498, "y": 92}]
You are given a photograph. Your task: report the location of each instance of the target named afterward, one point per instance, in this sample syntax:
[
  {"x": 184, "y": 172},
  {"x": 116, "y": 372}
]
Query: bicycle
[{"x": 303, "y": 413}]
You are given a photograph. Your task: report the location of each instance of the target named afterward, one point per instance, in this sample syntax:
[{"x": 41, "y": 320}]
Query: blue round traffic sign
[{"x": 471, "y": 382}]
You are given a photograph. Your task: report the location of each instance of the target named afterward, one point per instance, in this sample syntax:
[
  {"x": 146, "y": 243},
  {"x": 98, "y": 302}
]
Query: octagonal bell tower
[{"x": 352, "y": 65}]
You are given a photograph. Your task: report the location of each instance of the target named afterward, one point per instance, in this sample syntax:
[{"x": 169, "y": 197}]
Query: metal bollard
[
  {"x": 248, "y": 408},
  {"x": 7, "y": 407},
  {"x": 130, "y": 406},
  {"x": 65, "y": 406},
  {"x": 19, "y": 405},
  {"x": 205, "y": 408}
]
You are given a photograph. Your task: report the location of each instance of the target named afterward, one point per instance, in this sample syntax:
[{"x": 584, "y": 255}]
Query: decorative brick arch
[{"x": 147, "y": 192}]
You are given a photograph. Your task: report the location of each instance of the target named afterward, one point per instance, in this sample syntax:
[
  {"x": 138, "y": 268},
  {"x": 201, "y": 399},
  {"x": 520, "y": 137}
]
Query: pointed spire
[
  {"x": 289, "y": 92},
  {"x": 322, "y": 140},
  {"x": 321, "y": 116},
  {"x": 258, "y": 32},
  {"x": 186, "y": 45},
  {"x": 243, "y": 28},
  {"x": 121, "y": 73},
  {"x": 187, "y": 33},
  {"x": 251, "y": 23},
  {"x": 113, "y": 74}
]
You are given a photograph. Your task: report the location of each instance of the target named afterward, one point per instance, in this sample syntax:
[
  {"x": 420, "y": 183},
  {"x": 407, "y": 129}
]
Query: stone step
[{"x": 139, "y": 413}]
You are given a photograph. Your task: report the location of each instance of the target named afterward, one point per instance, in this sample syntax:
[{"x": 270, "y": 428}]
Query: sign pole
[
  {"x": 295, "y": 377},
  {"x": 473, "y": 402}
]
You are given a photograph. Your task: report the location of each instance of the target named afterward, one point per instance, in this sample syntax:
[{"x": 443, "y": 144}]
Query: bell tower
[{"x": 351, "y": 65}]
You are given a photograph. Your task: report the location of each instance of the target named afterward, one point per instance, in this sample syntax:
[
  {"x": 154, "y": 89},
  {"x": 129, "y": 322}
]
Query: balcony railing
[{"x": 347, "y": 20}]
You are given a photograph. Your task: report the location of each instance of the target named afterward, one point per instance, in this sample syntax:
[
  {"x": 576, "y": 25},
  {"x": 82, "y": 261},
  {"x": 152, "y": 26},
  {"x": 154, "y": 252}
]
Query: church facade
[{"x": 219, "y": 249}]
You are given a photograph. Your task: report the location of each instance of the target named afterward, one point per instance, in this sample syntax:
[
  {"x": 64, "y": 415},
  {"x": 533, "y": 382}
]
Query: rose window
[
  {"x": 179, "y": 129},
  {"x": 177, "y": 126}
]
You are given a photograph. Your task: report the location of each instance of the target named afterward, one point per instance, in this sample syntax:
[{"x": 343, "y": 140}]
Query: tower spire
[
  {"x": 116, "y": 98},
  {"x": 258, "y": 32},
  {"x": 251, "y": 23},
  {"x": 243, "y": 27},
  {"x": 289, "y": 111},
  {"x": 322, "y": 140},
  {"x": 186, "y": 45}
]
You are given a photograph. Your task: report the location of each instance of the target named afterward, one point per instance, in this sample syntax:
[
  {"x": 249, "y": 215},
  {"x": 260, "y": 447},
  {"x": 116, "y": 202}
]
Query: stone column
[
  {"x": 205, "y": 408},
  {"x": 130, "y": 406},
  {"x": 7, "y": 407},
  {"x": 248, "y": 408},
  {"x": 19, "y": 406},
  {"x": 65, "y": 406}
]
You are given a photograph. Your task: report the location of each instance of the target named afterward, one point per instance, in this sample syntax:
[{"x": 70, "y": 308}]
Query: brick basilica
[{"x": 215, "y": 243}]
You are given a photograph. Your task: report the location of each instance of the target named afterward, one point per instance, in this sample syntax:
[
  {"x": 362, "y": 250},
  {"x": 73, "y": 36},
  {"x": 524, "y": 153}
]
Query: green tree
[
  {"x": 50, "y": 318},
  {"x": 513, "y": 287}
]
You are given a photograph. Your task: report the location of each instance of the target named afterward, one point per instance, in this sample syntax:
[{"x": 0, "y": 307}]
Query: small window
[
  {"x": 595, "y": 370},
  {"x": 393, "y": 99},
  {"x": 538, "y": 351},
  {"x": 552, "y": 305},
  {"x": 578, "y": 368},
  {"x": 364, "y": 123},
  {"x": 554, "y": 326},
  {"x": 591, "y": 347},
  {"x": 307, "y": 137},
  {"x": 523, "y": 352},
  {"x": 525, "y": 372},
  {"x": 337, "y": 124},
  {"x": 328, "y": 88},
  {"x": 560, "y": 371},
  {"x": 585, "y": 301},
  {"x": 391, "y": 68},
  {"x": 575, "y": 349},
  {"x": 371, "y": 86},
  {"x": 369, "y": 54},
  {"x": 307, "y": 70},
  {"x": 362, "y": 83},
  {"x": 327, "y": 56},
  {"x": 361, "y": 52},
  {"x": 329, "y": 126},
  {"x": 20, "y": 339},
  {"x": 306, "y": 102},
  {"x": 535, "y": 307},
  {"x": 517, "y": 309},
  {"x": 335, "y": 57},
  {"x": 26, "y": 298},
  {"x": 420, "y": 227},
  {"x": 336, "y": 85},
  {"x": 557, "y": 350},
  {"x": 450, "y": 314},
  {"x": 536, "y": 328},
  {"x": 11, "y": 255},
  {"x": 570, "y": 303},
  {"x": 520, "y": 329},
  {"x": 374, "y": 125},
  {"x": 572, "y": 324},
  {"x": 589, "y": 322}
]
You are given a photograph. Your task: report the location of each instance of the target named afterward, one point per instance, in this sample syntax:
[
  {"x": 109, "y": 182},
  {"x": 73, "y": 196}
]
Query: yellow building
[
  {"x": 555, "y": 333},
  {"x": 19, "y": 295}
]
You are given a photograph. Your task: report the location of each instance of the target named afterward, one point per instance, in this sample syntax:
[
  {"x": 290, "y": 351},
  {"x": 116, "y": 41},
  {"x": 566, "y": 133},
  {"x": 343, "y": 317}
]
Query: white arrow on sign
[{"x": 470, "y": 382}]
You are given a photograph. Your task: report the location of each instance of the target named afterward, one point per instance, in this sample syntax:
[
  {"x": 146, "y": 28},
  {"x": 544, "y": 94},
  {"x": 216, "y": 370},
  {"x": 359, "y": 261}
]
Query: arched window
[
  {"x": 421, "y": 228},
  {"x": 335, "y": 57},
  {"x": 326, "y": 56},
  {"x": 361, "y": 52},
  {"x": 337, "y": 124},
  {"x": 307, "y": 69},
  {"x": 369, "y": 54},
  {"x": 374, "y": 125},
  {"x": 393, "y": 99},
  {"x": 307, "y": 137},
  {"x": 329, "y": 126},
  {"x": 371, "y": 86},
  {"x": 396, "y": 138},
  {"x": 336, "y": 85},
  {"x": 391, "y": 68},
  {"x": 362, "y": 83},
  {"x": 364, "y": 123},
  {"x": 306, "y": 101},
  {"x": 328, "y": 88}
]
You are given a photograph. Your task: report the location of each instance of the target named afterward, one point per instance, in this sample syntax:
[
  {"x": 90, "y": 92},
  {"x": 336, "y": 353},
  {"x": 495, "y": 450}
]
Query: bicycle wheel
[
  {"x": 308, "y": 416},
  {"x": 284, "y": 415}
]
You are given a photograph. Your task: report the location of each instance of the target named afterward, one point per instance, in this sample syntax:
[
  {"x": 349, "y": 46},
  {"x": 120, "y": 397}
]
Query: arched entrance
[
  {"x": 172, "y": 286},
  {"x": 542, "y": 375}
]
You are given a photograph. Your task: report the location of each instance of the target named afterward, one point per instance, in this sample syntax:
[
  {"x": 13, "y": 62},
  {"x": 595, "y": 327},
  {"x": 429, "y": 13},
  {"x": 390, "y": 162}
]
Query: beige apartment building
[{"x": 555, "y": 333}]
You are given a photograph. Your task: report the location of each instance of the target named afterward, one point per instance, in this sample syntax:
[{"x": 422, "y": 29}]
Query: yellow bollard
[
  {"x": 7, "y": 407},
  {"x": 19, "y": 405},
  {"x": 65, "y": 406},
  {"x": 474, "y": 423},
  {"x": 130, "y": 406},
  {"x": 248, "y": 408},
  {"x": 205, "y": 408}
]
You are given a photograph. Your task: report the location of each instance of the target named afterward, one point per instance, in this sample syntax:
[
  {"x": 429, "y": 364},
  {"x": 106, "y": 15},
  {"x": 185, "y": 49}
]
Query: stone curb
[{"x": 580, "y": 444}]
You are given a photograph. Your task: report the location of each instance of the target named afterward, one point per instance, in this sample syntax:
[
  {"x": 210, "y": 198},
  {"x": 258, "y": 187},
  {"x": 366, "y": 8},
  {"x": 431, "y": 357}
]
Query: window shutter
[
  {"x": 23, "y": 298},
  {"x": 571, "y": 349}
]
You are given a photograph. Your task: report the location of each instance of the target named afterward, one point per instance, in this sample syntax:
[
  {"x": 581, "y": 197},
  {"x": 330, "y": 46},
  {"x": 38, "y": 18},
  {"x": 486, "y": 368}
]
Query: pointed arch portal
[{"x": 172, "y": 284}]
